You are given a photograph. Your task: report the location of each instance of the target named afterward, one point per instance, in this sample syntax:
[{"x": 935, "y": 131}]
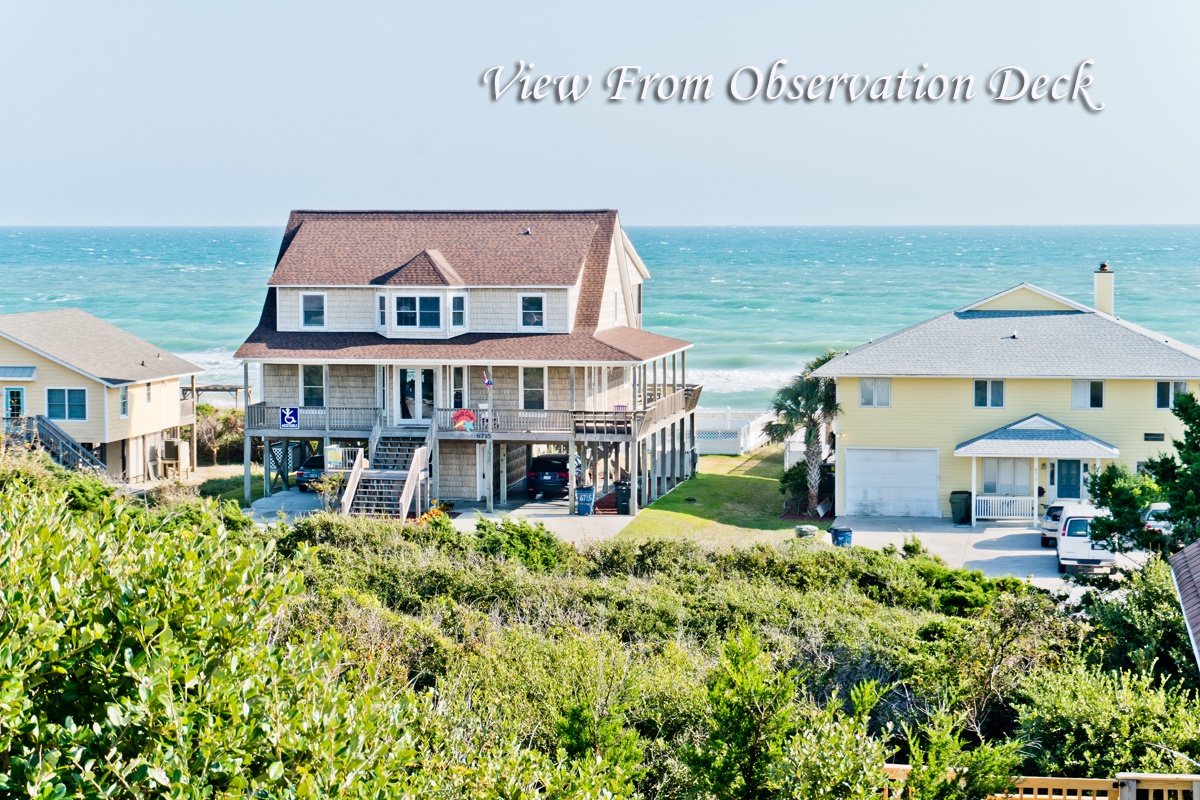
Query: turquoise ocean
[{"x": 757, "y": 302}]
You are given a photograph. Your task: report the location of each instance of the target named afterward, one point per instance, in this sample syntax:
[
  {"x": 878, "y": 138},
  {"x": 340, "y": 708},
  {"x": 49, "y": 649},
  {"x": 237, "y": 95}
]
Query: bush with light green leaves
[{"x": 137, "y": 662}]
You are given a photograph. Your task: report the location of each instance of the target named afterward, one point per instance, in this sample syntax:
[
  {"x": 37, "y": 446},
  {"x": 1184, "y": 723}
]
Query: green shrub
[{"x": 1083, "y": 722}]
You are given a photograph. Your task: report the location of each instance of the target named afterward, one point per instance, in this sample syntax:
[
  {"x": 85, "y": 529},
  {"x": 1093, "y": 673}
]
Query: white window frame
[
  {"x": 324, "y": 310},
  {"x": 123, "y": 402},
  {"x": 417, "y": 297},
  {"x": 66, "y": 390},
  {"x": 988, "y": 399},
  {"x": 324, "y": 385},
  {"x": 439, "y": 326},
  {"x": 521, "y": 297},
  {"x": 1172, "y": 390},
  {"x": 1076, "y": 404},
  {"x": 545, "y": 387},
  {"x": 465, "y": 311},
  {"x": 875, "y": 383},
  {"x": 381, "y": 299}
]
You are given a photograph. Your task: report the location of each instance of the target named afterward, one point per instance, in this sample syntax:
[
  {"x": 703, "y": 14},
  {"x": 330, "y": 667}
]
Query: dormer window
[
  {"x": 533, "y": 312},
  {"x": 312, "y": 310},
  {"x": 418, "y": 312},
  {"x": 430, "y": 315},
  {"x": 406, "y": 312}
]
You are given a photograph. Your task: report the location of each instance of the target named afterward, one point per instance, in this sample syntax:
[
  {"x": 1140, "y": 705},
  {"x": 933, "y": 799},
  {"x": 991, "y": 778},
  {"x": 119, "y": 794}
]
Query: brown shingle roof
[
  {"x": 1185, "y": 565},
  {"x": 484, "y": 248},
  {"x": 93, "y": 346},
  {"x": 615, "y": 345}
]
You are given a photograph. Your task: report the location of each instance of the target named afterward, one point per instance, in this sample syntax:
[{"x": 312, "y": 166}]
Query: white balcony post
[
  {"x": 246, "y": 440},
  {"x": 490, "y": 466},
  {"x": 973, "y": 485},
  {"x": 571, "y": 448}
]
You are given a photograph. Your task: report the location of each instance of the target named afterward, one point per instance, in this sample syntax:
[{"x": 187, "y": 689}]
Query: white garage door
[{"x": 898, "y": 482}]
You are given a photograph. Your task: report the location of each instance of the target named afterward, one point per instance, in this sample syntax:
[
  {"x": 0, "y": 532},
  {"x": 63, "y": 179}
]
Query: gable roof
[
  {"x": 480, "y": 248},
  {"x": 93, "y": 347},
  {"x": 1036, "y": 436},
  {"x": 426, "y": 268},
  {"x": 1185, "y": 569},
  {"x": 1076, "y": 342}
]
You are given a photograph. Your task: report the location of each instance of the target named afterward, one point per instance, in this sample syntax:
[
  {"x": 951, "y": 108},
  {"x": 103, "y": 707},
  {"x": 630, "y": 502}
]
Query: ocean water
[{"x": 757, "y": 302}]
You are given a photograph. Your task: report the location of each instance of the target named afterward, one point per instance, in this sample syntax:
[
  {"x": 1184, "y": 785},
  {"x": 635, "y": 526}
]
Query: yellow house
[
  {"x": 79, "y": 378},
  {"x": 1017, "y": 399}
]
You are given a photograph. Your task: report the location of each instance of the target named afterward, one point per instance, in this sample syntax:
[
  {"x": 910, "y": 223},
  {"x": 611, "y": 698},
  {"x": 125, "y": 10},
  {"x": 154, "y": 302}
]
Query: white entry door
[{"x": 891, "y": 482}]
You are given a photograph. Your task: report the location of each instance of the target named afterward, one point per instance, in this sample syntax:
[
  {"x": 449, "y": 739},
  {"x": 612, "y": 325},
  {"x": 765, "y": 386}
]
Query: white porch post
[
  {"x": 974, "y": 480},
  {"x": 1033, "y": 488}
]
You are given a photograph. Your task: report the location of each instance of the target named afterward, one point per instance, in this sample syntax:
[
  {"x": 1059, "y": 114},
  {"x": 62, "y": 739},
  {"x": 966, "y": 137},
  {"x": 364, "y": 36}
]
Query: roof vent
[
  {"x": 1014, "y": 335},
  {"x": 528, "y": 232},
  {"x": 143, "y": 362}
]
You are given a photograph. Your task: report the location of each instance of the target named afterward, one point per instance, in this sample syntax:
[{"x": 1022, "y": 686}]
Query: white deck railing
[
  {"x": 997, "y": 507},
  {"x": 313, "y": 418}
]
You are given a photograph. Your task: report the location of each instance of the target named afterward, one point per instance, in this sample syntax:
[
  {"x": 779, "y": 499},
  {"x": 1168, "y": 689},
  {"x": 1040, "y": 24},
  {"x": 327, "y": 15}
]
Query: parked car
[
  {"x": 1075, "y": 546},
  {"x": 311, "y": 471},
  {"x": 1155, "y": 518},
  {"x": 548, "y": 475},
  {"x": 1050, "y": 522}
]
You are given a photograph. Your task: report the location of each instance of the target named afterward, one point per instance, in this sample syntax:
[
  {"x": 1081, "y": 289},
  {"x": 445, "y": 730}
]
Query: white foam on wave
[{"x": 738, "y": 380}]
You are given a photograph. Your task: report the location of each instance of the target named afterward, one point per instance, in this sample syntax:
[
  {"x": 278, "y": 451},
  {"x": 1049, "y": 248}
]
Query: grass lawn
[
  {"x": 231, "y": 488},
  {"x": 737, "y": 501}
]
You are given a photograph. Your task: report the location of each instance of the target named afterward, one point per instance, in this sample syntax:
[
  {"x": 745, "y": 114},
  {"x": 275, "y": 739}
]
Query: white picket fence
[{"x": 729, "y": 432}]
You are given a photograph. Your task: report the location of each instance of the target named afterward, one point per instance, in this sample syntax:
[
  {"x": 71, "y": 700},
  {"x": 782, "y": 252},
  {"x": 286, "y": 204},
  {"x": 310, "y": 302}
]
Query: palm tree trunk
[{"x": 812, "y": 458}]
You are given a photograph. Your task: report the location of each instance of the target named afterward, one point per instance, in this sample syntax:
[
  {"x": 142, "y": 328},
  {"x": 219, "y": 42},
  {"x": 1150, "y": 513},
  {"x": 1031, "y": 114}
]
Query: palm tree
[{"x": 806, "y": 403}]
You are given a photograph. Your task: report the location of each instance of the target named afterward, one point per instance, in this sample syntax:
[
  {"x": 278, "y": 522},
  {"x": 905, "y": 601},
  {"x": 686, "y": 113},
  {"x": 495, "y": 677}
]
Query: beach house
[
  {"x": 456, "y": 346},
  {"x": 95, "y": 396},
  {"x": 1017, "y": 398}
]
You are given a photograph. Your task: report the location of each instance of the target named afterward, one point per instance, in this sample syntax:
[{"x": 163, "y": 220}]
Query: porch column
[
  {"x": 631, "y": 471},
  {"x": 491, "y": 446},
  {"x": 640, "y": 456},
  {"x": 571, "y": 448},
  {"x": 266, "y": 467},
  {"x": 503, "y": 473},
  {"x": 247, "y": 443},
  {"x": 973, "y": 484},
  {"x": 1033, "y": 487}
]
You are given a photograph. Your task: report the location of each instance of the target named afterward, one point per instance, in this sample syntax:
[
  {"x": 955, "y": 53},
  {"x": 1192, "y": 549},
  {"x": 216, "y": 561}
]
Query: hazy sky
[{"x": 206, "y": 113}]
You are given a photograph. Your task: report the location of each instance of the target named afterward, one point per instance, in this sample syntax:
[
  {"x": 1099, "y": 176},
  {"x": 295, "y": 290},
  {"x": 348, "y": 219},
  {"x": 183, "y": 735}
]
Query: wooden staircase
[
  {"x": 380, "y": 489},
  {"x": 395, "y": 450}
]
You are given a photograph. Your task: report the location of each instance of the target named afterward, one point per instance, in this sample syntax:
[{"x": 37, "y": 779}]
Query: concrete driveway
[{"x": 995, "y": 549}]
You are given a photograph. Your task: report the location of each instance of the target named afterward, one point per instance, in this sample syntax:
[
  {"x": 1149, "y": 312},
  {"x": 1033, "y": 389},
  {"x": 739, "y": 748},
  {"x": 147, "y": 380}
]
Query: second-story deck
[{"x": 479, "y": 421}]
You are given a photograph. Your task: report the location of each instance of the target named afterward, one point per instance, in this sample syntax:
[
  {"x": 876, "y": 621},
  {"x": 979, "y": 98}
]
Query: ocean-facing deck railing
[
  {"x": 187, "y": 411},
  {"x": 314, "y": 418}
]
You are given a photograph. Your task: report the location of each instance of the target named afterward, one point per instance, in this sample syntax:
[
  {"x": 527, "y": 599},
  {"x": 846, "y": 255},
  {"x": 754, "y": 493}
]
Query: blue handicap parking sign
[{"x": 289, "y": 418}]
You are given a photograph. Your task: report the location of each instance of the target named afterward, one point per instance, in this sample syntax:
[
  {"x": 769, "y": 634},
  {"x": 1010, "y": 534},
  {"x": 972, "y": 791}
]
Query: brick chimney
[{"x": 1102, "y": 289}]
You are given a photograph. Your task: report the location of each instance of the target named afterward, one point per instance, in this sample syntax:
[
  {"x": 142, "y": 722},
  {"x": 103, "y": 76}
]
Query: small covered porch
[{"x": 1014, "y": 467}]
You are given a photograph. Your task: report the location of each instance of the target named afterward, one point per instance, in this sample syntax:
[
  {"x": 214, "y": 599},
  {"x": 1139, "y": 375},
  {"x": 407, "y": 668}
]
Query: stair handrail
[
  {"x": 352, "y": 484},
  {"x": 376, "y": 432},
  {"x": 413, "y": 480},
  {"x": 79, "y": 457}
]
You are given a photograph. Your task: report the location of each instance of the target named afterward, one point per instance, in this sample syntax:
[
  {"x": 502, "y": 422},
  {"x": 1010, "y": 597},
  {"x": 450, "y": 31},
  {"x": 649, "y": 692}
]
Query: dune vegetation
[{"x": 170, "y": 647}]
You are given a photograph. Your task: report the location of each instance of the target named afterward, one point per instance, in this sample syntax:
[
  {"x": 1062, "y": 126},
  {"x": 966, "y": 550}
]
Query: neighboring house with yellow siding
[
  {"x": 1017, "y": 399},
  {"x": 115, "y": 394}
]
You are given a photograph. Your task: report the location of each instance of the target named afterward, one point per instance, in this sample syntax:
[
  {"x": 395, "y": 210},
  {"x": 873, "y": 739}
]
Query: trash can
[
  {"x": 960, "y": 507},
  {"x": 624, "y": 491},
  {"x": 841, "y": 536},
  {"x": 585, "y": 498},
  {"x": 804, "y": 531}
]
